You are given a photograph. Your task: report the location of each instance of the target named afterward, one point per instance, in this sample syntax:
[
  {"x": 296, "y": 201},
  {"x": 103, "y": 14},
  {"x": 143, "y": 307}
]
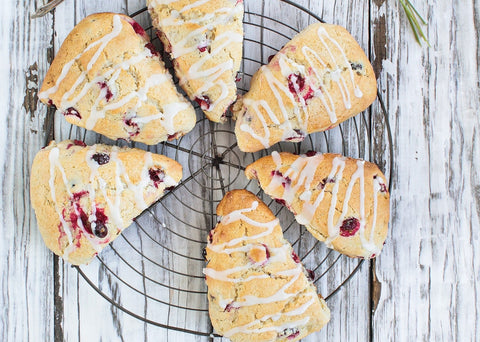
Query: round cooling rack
[{"x": 153, "y": 271}]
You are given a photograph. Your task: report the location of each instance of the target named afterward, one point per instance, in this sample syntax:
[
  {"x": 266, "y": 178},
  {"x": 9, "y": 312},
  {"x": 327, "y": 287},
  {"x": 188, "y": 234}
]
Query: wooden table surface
[{"x": 425, "y": 284}]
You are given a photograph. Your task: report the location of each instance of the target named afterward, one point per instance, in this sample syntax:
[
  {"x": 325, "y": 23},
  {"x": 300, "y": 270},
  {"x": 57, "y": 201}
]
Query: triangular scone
[
  {"x": 257, "y": 288},
  {"x": 84, "y": 196},
  {"x": 342, "y": 201},
  {"x": 108, "y": 78},
  {"x": 317, "y": 80},
  {"x": 204, "y": 39}
]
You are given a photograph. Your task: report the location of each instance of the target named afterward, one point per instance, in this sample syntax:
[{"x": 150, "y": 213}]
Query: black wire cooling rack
[{"x": 153, "y": 271}]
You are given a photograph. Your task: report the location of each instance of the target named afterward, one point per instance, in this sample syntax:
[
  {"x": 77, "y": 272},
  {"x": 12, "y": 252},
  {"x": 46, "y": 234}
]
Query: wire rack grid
[{"x": 153, "y": 271}]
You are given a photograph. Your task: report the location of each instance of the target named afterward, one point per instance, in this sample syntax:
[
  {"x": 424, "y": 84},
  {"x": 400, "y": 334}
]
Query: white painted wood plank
[
  {"x": 429, "y": 272},
  {"x": 26, "y": 267}
]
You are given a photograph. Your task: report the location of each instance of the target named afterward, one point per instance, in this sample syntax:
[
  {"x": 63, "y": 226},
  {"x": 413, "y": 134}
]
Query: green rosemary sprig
[{"x": 415, "y": 20}]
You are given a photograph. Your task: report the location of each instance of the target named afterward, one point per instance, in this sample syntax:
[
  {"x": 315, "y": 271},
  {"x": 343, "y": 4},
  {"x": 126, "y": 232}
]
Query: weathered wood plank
[
  {"x": 26, "y": 268},
  {"x": 429, "y": 272}
]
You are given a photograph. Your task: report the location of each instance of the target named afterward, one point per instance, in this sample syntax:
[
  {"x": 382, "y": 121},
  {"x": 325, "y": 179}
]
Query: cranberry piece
[
  {"x": 101, "y": 158},
  {"x": 50, "y": 102},
  {"x": 170, "y": 188},
  {"x": 300, "y": 136},
  {"x": 286, "y": 180},
  {"x": 281, "y": 201},
  {"x": 349, "y": 227},
  {"x": 79, "y": 143},
  {"x": 137, "y": 28},
  {"x": 270, "y": 59},
  {"x": 324, "y": 182},
  {"x": 373, "y": 256},
  {"x": 291, "y": 333},
  {"x": 230, "y": 307},
  {"x": 157, "y": 176},
  {"x": 203, "y": 101},
  {"x": 72, "y": 111},
  {"x": 295, "y": 257},
  {"x": 296, "y": 83},
  {"x": 152, "y": 49},
  {"x": 311, "y": 275},
  {"x": 77, "y": 195},
  {"x": 311, "y": 153},
  {"x": 267, "y": 252},
  {"x": 210, "y": 237},
  {"x": 135, "y": 129},
  {"x": 174, "y": 136},
  {"x": 100, "y": 230},
  {"x": 109, "y": 94}
]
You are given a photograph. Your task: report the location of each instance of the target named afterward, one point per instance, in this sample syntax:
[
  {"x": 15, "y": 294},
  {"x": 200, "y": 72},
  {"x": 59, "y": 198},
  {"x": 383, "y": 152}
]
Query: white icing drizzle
[
  {"x": 112, "y": 205},
  {"x": 188, "y": 44},
  {"x": 98, "y": 111},
  {"x": 277, "y": 255},
  {"x": 315, "y": 81},
  {"x": 302, "y": 171}
]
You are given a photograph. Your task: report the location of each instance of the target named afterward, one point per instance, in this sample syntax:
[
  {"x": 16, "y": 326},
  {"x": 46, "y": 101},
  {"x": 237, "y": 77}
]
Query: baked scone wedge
[
  {"x": 204, "y": 39},
  {"x": 342, "y": 201},
  {"x": 107, "y": 77},
  {"x": 84, "y": 196},
  {"x": 316, "y": 81},
  {"x": 257, "y": 288}
]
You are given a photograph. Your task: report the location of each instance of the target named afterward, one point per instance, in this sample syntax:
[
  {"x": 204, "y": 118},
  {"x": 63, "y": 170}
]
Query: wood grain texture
[
  {"x": 426, "y": 285},
  {"x": 430, "y": 271}
]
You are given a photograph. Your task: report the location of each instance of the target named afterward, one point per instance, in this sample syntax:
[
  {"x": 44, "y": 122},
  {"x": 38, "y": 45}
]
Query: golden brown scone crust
[
  {"x": 108, "y": 78},
  {"x": 307, "y": 87},
  {"x": 204, "y": 40},
  {"x": 93, "y": 188},
  {"x": 299, "y": 181},
  {"x": 256, "y": 291}
]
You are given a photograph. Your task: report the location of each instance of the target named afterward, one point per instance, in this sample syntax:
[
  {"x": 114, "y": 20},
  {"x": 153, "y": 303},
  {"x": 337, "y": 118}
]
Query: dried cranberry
[
  {"x": 50, "y": 102},
  {"x": 170, "y": 188},
  {"x": 157, "y": 176},
  {"x": 311, "y": 275},
  {"x": 296, "y": 83},
  {"x": 135, "y": 129},
  {"x": 210, "y": 237},
  {"x": 299, "y": 136},
  {"x": 72, "y": 111},
  {"x": 267, "y": 252},
  {"x": 77, "y": 195},
  {"x": 174, "y": 136},
  {"x": 324, "y": 182},
  {"x": 349, "y": 227},
  {"x": 270, "y": 58},
  {"x": 286, "y": 180},
  {"x": 108, "y": 95},
  {"x": 203, "y": 101},
  {"x": 281, "y": 201},
  {"x": 373, "y": 256},
  {"x": 152, "y": 49},
  {"x": 295, "y": 257},
  {"x": 311, "y": 153},
  {"x": 290, "y": 333},
  {"x": 137, "y": 28},
  {"x": 383, "y": 187},
  {"x": 237, "y": 77},
  {"x": 101, "y": 158},
  {"x": 230, "y": 307}
]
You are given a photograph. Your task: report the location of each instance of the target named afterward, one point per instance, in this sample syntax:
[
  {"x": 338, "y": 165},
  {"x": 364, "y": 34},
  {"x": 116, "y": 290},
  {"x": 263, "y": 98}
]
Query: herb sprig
[{"x": 416, "y": 21}]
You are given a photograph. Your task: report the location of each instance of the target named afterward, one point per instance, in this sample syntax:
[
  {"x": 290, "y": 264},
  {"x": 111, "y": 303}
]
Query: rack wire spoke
[{"x": 164, "y": 254}]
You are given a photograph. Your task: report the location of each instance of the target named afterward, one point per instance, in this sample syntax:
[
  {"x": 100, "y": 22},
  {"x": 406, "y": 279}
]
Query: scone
[
  {"x": 108, "y": 78},
  {"x": 342, "y": 201},
  {"x": 84, "y": 196},
  {"x": 257, "y": 288},
  {"x": 204, "y": 39},
  {"x": 317, "y": 80}
]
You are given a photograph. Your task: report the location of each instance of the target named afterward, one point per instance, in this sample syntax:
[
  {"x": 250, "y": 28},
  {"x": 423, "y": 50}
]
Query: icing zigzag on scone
[{"x": 342, "y": 201}]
